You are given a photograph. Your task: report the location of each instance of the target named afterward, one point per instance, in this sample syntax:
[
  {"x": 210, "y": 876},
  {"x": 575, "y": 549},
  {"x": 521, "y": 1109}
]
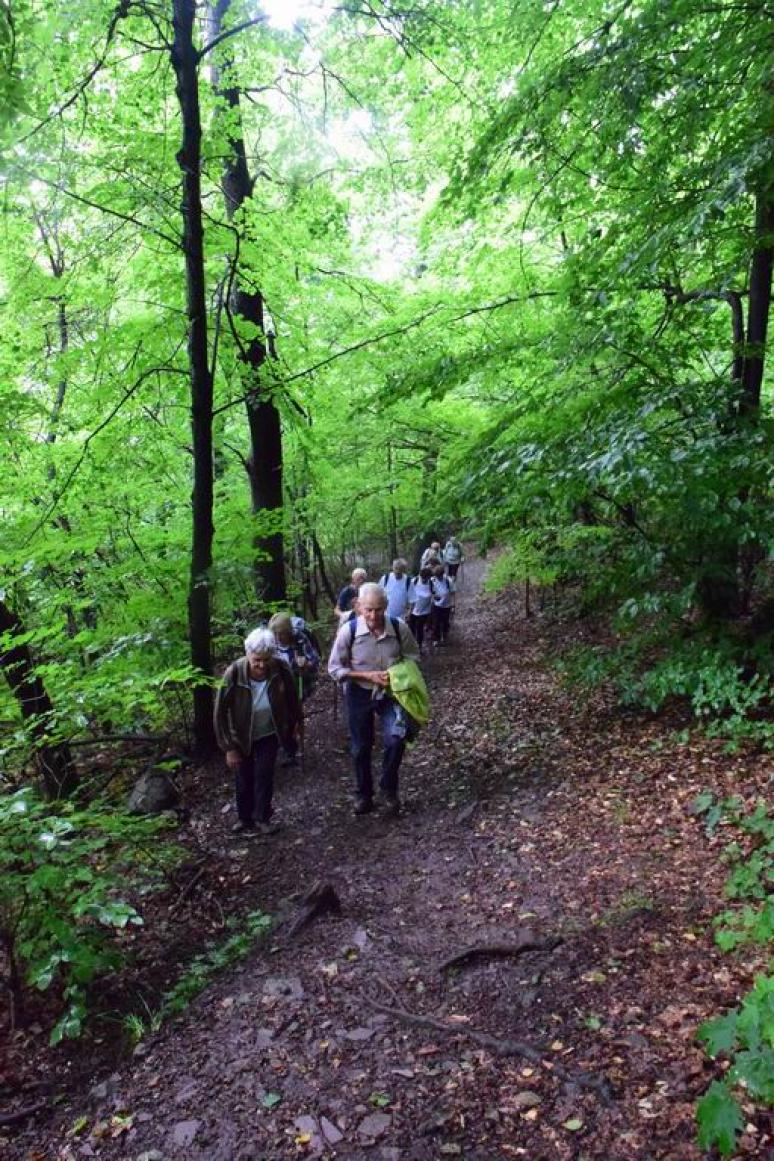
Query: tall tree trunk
[
  {"x": 318, "y": 556},
  {"x": 392, "y": 530},
  {"x": 185, "y": 63},
  {"x": 760, "y": 304},
  {"x": 53, "y": 760},
  {"x": 264, "y": 463},
  {"x": 724, "y": 591}
]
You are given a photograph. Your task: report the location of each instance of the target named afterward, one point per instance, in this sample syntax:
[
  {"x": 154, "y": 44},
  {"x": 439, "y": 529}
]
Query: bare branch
[{"x": 230, "y": 32}]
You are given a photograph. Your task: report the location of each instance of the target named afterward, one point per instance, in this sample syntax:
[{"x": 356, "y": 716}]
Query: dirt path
[{"x": 528, "y": 817}]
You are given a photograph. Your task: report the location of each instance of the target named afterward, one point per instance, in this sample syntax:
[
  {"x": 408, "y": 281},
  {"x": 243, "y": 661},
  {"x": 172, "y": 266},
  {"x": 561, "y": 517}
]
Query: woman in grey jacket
[{"x": 256, "y": 711}]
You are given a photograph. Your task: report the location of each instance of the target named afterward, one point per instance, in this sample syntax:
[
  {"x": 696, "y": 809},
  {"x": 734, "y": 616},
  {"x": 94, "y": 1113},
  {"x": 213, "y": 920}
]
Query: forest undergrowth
[{"x": 519, "y": 969}]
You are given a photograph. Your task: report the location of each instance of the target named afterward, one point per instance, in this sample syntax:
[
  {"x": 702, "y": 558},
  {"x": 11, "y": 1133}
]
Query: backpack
[{"x": 303, "y": 630}]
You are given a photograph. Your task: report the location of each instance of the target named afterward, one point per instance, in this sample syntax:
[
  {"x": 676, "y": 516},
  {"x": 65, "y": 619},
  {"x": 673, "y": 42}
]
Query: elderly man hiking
[
  {"x": 348, "y": 595},
  {"x": 362, "y": 653}
]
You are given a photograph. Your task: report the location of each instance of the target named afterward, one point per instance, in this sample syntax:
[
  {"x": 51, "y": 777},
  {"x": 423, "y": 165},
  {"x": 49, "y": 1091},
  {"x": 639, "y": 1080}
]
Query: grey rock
[
  {"x": 330, "y": 1132},
  {"x": 184, "y": 1132},
  {"x": 153, "y": 793},
  {"x": 360, "y": 1034},
  {"x": 151, "y": 1155},
  {"x": 286, "y": 987},
  {"x": 525, "y": 1100},
  {"x": 184, "y": 1094},
  {"x": 106, "y": 1089},
  {"x": 374, "y": 1125}
]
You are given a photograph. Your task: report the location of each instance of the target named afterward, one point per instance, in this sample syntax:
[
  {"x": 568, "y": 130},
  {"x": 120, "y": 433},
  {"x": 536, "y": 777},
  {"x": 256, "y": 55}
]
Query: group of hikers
[{"x": 382, "y": 631}]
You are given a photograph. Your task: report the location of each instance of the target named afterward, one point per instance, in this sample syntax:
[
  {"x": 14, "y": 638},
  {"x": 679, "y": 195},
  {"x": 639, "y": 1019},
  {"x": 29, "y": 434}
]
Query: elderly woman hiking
[
  {"x": 362, "y": 653},
  {"x": 256, "y": 710}
]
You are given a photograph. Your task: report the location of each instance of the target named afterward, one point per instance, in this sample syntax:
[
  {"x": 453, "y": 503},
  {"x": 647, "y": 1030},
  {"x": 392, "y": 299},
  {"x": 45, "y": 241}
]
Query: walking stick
[{"x": 301, "y": 723}]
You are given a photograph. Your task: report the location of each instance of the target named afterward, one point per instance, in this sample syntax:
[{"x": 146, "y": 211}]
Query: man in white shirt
[{"x": 396, "y": 585}]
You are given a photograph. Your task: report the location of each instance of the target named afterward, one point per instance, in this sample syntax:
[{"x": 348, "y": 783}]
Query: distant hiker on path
[
  {"x": 443, "y": 600},
  {"x": 421, "y": 603},
  {"x": 431, "y": 556},
  {"x": 297, "y": 649},
  {"x": 452, "y": 556},
  {"x": 362, "y": 653},
  {"x": 346, "y": 597},
  {"x": 396, "y": 584},
  {"x": 256, "y": 709}
]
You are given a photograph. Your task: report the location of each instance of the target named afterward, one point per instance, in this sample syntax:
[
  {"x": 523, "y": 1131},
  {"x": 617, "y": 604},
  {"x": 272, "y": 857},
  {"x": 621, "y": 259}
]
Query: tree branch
[
  {"x": 229, "y": 32},
  {"x": 120, "y": 13}
]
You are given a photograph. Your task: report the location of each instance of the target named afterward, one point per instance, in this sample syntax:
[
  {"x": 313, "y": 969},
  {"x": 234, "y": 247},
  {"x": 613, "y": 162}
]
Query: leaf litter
[{"x": 523, "y": 805}]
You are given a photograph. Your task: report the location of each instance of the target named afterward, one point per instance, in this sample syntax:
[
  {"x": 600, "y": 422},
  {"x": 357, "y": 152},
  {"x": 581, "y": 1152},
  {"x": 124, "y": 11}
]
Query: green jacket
[
  {"x": 407, "y": 686},
  {"x": 234, "y": 705}
]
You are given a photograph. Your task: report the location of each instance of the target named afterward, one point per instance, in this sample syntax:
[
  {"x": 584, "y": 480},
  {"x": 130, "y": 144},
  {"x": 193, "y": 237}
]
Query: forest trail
[{"x": 528, "y": 817}]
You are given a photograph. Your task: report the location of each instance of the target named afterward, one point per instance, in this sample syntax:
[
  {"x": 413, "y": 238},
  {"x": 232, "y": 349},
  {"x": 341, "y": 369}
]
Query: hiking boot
[
  {"x": 391, "y": 807},
  {"x": 363, "y": 805},
  {"x": 268, "y": 827},
  {"x": 244, "y": 830}
]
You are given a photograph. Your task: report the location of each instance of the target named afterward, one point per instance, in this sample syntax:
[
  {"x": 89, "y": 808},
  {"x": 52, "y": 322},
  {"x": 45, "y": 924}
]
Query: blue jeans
[
  {"x": 361, "y": 710},
  {"x": 255, "y": 781}
]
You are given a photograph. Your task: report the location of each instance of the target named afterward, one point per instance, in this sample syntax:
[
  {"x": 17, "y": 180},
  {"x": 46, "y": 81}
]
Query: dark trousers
[
  {"x": 453, "y": 569},
  {"x": 417, "y": 626},
  {"x": 441, "y": 618},
  {"x": 255, "y": 781},
  {"x": 362, "y": 709}
]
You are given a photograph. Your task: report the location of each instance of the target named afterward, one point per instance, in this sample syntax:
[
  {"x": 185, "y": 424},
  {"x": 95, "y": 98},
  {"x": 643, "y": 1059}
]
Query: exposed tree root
[
  {"x": 500, "y": 1047},
  {"x": 7, "y": 1119},
  {"x": 526, "y": 940},
  {"x": 320, "y": 899}
]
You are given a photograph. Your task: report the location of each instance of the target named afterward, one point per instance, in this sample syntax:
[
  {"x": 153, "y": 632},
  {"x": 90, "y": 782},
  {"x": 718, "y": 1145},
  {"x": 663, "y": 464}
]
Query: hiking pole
[
  {"x": 301, "y": 723},
  {"x": 302, "y": 732}
]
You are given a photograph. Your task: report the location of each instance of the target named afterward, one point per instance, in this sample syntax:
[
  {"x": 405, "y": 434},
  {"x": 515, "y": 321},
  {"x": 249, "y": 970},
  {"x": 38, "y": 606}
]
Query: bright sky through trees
[{"x": 284, "y": 13}]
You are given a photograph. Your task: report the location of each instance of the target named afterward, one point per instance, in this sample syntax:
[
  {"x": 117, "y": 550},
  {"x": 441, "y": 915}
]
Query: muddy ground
[{"x": 553, "y": 836}]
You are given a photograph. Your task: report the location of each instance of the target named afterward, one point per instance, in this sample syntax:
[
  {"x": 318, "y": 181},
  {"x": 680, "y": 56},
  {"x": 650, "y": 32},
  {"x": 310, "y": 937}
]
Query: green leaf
[
  {"x": 271, "y": 1100},
  {"x": 719, "y": 1034},
  {"x": 719, "y": 1118},
  {"x": 380, "y": 1100}
]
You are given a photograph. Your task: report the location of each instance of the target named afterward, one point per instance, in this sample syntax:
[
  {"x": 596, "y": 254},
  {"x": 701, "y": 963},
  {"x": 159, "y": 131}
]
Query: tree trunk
[
  {"x": 185, "y": 62},
  {"x": 724, "y": 590},
  {"x": 317, "y": 550},
  {"x": 760, "y": 304},
  {"x": 264, "y": 463},
  {"x": 392, "y": 530},
  {"x": 53, "y": 760}
]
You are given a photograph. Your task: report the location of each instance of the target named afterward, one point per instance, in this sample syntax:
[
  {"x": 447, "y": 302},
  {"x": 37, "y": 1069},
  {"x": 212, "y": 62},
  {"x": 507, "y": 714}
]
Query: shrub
[
  {"x": 728, "y": 692},
  {"x": 65, "y": 872},
  {"x": 746, "y": 1034}
]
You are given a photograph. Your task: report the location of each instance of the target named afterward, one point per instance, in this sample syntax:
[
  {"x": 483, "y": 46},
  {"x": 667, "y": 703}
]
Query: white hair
[
  {"x": 261, "y": 641},
  {"x": 358, "y": 574},
  {"x": 373, "y": 592}
]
